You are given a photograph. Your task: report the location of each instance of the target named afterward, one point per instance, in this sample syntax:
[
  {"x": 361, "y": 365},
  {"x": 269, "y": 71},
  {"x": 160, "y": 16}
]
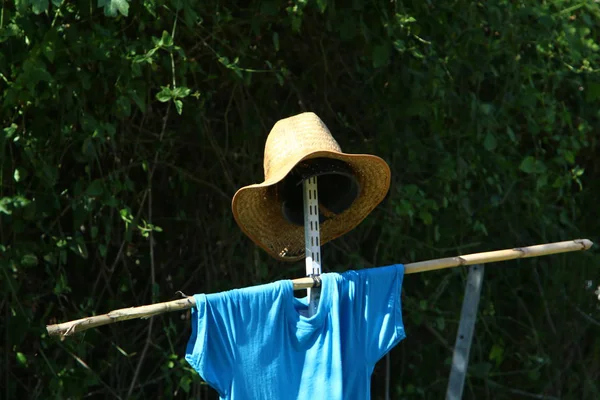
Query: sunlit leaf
[
  {"x": 9, "y": 131},
  {"x": 39, "y": 6},
  {"x": 166, "y": 40},
  {"x": 179, "y": 106},
  {"x": 21, "y": 359},
  {"x": 497, "y": 354},
  {"x": 114, "y": 7},
  {"x": 164, "y": 95},
  {"x": 180, "y": 92}
]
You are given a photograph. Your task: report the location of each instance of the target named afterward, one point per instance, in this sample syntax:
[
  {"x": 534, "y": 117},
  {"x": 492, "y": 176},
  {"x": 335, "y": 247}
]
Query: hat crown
[{"x": 295, "y": 137}]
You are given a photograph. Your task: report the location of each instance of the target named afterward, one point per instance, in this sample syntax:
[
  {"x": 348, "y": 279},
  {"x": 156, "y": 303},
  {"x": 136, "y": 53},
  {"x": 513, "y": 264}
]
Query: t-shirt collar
[{"x": 316, "y": 320}]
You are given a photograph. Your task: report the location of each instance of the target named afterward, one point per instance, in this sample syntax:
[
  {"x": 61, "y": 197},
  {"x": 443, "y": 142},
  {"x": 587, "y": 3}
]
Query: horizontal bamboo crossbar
[{"x": 123, "y": 314}]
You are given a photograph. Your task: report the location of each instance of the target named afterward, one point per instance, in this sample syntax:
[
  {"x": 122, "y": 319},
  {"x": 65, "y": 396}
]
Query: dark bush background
[{"x": 128, "y": 126}]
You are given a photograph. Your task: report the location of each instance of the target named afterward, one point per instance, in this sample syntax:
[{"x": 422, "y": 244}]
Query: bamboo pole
[{"x": 68, "y": 328}]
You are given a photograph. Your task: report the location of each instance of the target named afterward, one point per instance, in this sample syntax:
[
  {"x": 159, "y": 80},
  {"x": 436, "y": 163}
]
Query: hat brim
[{"x": 258, "y": 212}]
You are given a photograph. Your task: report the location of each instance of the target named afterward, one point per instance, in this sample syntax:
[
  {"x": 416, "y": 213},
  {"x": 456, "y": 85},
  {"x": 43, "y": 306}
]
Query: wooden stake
[{"x": 71, "y": 327}]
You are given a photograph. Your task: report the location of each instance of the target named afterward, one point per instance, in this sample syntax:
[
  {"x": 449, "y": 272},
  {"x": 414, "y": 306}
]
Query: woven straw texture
[{"x": 257, "y": 208}]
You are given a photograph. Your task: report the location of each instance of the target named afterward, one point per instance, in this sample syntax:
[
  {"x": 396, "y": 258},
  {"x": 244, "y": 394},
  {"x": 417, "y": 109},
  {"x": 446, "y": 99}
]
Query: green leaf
[
  {"x": 478, "y": 226},
  {"x": 21, "y": 6},
  {"x": 87, "y": 147},
  {"x": 138, "y": 100},
  {"x": 280, "y": 79},
  {"x": 426, "y": 217},
  {"x": 276, "y": 41},
  {"x": 166, "y": 40},
  {"x": 530, "y": 165},
  {"x": 399, "y": 45},
  {"x": 113, "y": 7},
  {"x": 29, "y": 260},
  {"x": 179, "y": 106},
  {"x": 8, "y": 204},
  {"x": 592, "y": 92},
  {"x": 165, "y": 94},
  {"x": 62, "y": 285},
  {"x": 381, "y": 55},
  {"x": 120, "y": 350},
  {"x": 34, "y": 71},
  {"x": 322, "y": 4},
  {"x": 569, "y": 156},
  {"x": 269, "y": 7},
  {"x": 126, "y": 215},
  {"x": 225, "y": 61},
  {"x": 48, "y": 48},
  {"x": 489, "y": 142},
  {"x": 50, "y": 175},
  {"x": 9, "y": 131},
  {"x": 185, "y": 383},
  {"x": 180, "y": 92},
  {"x": 95, "y": 189},
  {"x": 79, "y": 247},
  {"x": 441, "y": 323},
  {"x": 21, "y": 359},
  {"x": 497, "y": 354},
  {"x": 542, "y": 181},
  {"x": 123, "y": 106},
  {"x": 511, "y": 134},
  {"x": 296, "y": 22},
  {"x": 534, "y": 375},
  {"x": 404, "y": 19},
  {"x": 347, "y": 28},
  {"x": 39, "y": 6},
  {"x": 486, "y": 108}
]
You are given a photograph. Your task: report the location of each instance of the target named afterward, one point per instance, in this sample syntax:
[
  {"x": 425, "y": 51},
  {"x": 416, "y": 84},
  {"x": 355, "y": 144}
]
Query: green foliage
[{"x": 113, "y": 194}]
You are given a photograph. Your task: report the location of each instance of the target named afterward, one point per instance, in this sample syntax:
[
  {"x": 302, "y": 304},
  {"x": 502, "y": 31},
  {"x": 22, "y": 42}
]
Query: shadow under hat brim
[{"x": 259, "y": 215}]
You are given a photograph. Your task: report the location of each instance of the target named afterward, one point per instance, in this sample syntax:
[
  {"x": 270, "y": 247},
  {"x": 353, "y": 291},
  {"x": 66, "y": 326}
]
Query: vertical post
[
  {"x": 464, "y": 337},
  {"x": 312, "y": 239}
]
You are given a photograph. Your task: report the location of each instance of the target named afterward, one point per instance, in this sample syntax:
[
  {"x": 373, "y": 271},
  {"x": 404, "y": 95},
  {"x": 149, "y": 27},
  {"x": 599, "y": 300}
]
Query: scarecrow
[{"x": 262, "y": 342}]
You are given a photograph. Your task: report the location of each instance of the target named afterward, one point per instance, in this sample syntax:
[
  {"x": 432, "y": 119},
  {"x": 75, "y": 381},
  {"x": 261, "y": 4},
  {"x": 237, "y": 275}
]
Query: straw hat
[{"x": 293, "y": 142}]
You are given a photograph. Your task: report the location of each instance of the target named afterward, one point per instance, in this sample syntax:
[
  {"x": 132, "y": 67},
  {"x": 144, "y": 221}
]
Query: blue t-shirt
[{"x": 254, "y": 343}]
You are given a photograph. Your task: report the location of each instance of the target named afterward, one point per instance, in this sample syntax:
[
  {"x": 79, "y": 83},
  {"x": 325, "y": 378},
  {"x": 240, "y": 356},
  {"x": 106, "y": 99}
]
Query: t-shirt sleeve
[
  {"x": 381, "y": 323},
  {"x": 210, "y": 347}
]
